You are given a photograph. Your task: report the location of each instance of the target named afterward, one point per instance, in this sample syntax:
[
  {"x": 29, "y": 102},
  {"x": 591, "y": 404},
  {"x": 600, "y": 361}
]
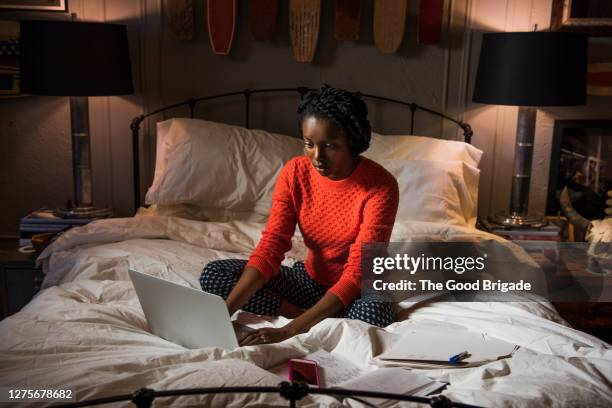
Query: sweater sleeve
[
  {"x": 276, "y": 237},
  {"x": 378, "y": 219}
]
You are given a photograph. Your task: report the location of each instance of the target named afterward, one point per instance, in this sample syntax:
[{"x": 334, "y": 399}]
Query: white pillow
[
  {"x": 436, "y": 191},
  {"x": 421, "y": 148},
  {"x": 220, "y": 167}
]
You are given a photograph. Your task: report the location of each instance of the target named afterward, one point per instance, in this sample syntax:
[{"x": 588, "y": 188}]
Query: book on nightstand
[{"x": 45, "y": 221}]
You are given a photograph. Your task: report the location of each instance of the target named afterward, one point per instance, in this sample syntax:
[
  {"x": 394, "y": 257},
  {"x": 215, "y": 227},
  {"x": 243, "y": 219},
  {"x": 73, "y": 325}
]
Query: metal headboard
[{"x": 191, "y": 103}]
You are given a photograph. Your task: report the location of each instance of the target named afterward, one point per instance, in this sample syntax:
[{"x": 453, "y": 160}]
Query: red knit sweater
[{"x": 335, "y": 218}]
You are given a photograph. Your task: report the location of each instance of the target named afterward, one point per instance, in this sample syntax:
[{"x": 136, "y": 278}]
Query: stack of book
[
  {"x": 45, "y": 221},
  {"x": 549, "y": 232}
]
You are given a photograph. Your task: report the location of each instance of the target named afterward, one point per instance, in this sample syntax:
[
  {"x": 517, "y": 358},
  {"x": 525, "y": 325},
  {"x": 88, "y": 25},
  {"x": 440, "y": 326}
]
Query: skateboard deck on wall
[
  {"x": 221, "y": 15},
  {"x": 263, "y": 14},
  {"x": 599, "y": 79},
  {"x": 431, "y": 13},
  {"x": 304, "y": 18},
  {"x": 180, "y": 14},
  {"x": 389, "y": 24},
  {"x": 348, "y": 15}
]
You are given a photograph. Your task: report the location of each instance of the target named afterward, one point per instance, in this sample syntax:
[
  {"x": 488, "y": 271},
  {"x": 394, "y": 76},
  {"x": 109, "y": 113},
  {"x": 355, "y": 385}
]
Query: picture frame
[
  {"x": 35, "y": 5},
  {"x": 593, "y": 17},
  {"x": 580, "y": 160}
]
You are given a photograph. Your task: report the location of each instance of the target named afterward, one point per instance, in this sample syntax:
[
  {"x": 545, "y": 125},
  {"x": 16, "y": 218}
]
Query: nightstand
[
  {"x": 575, "y": 267},
  {"x": 19, "y": 277}
]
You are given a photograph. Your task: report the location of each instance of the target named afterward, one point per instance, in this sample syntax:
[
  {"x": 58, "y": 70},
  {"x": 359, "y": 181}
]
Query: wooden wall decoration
[
  {"x": 389, "y": 24},
  {"x": 430, "y": 21},
  {"x": 263, "y": 16},
  {"x": 304, "y": 18},
  {"x": 348, "y": 16},
  {"x": 221, "y": 16},
  {"x": 599, "y": 79},
  {"x": 180, "y": 16}
]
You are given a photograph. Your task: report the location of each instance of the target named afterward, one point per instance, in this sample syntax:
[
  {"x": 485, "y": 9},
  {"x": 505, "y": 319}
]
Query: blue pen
[{"x": 458, "y": 357}]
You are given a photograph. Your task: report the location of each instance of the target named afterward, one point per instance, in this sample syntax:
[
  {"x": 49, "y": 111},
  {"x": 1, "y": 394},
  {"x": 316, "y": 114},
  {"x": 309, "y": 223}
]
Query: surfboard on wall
[
  {"x": 180, "y": 16},
  {"x": 431, "y": 13},
  {"x": 221, "y": 16},
  {"x": 263, "y": 15},
  {"x": 599, "y": 79},
  {"x": 304, "y": 18},
  {"x": 348, "y": 15},
  {"x": 389, "y": 24}
]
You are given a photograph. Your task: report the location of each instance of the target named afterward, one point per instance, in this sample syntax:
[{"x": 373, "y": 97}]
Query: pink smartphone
[{"x": 304, "y": 370}]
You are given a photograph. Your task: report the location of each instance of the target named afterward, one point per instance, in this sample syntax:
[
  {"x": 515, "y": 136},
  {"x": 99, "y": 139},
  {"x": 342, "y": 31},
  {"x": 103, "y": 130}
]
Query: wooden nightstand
[{"x": 19, "y": 277}]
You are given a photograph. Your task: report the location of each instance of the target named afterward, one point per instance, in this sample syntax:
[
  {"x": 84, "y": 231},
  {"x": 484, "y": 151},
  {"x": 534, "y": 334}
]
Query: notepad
[
  {"x": 336, "y": 371},
  {"x": 392, "y": 380},
  {"x": 432, "y": 348}
]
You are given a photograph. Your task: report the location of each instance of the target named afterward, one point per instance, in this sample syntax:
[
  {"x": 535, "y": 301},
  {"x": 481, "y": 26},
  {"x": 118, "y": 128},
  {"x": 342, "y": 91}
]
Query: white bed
[{"x": 86, "y": 330}]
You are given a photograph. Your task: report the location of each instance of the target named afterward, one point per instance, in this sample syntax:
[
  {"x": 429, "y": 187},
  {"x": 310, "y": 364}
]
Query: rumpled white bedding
[{"x": 86, "y": 329}]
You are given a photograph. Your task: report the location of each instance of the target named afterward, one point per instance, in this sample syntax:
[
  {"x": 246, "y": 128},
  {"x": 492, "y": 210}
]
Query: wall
[
  {"x": 35, "y": 153},
  {"x": 167, "y": 70},
  {"x": 35, "y": 163},
  {"x": 495, "y": 126}
]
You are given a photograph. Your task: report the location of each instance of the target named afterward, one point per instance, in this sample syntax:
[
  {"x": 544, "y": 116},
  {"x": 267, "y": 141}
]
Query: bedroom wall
[
  {"x": 35, "y": 160},
  {"x": 167, "y": 70},
  {"x": 35, "y": 152},
  {"x": 495, "y": 126}
]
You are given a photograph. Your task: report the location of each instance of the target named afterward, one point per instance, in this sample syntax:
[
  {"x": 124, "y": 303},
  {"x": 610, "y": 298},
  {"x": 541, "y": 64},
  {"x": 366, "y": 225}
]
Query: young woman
[{"x": 340, "y": 201}]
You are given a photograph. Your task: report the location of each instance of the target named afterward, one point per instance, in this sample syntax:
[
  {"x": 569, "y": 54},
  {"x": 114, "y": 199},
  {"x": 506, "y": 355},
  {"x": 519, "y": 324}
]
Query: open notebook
[
  {"x": 433, "y": 347},
  {"x": 336, "y": 371}
]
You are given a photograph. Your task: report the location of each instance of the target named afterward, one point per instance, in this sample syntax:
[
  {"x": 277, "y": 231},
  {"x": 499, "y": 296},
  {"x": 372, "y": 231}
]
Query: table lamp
[
  {"x": 530, "y": 69},
  {"x": 76, "y": 59}
]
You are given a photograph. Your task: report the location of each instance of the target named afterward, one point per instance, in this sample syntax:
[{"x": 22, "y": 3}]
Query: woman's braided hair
[{"x": 345, "y": 109}]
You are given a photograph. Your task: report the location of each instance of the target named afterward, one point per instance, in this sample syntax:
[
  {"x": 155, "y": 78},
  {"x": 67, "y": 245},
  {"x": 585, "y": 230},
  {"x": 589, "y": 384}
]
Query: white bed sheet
[{"x": 86, "y": 329}]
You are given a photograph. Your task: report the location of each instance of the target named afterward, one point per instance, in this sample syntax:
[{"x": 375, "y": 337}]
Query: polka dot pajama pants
[{"x": 294, "y": 285}]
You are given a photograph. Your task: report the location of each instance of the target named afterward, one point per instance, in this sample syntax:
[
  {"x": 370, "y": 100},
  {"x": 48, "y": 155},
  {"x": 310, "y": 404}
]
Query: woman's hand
[{"x": 267, "y": 335}]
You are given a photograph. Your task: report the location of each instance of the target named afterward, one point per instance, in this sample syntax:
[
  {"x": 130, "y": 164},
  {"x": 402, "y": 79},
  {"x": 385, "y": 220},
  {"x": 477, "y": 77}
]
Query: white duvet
[{"x": 86, "y": 329}]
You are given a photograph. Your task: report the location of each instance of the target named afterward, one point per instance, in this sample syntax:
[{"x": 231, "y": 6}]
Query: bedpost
[
  {"x": 143, "y": 398},
  {"x": 467, "y": 132},
  {"x": 413, "y": 108},
  {"x": 135, "y": 126},
  {"x": 247, "y": 98},
  {"x": 191, "y": 102},
  {"x": 293, "y": 391}
]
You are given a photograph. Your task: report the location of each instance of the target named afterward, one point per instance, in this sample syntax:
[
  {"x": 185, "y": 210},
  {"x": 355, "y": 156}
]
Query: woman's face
[{"x": 327, "y": 148}]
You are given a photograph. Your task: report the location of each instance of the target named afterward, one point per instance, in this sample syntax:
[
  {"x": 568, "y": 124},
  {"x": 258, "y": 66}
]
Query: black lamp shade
[
  {"x": 74, "y": 59},
  {"x": 532, "y": 69}
]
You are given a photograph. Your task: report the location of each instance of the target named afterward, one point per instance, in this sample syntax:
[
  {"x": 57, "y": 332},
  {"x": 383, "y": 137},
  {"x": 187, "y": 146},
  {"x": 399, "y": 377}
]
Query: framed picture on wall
[
  {"x": 581, "y": 160},
  {"x": 35, "y": 5},
  {"x": 587, "y": 16},
  {"x": 9, "y": 59}
]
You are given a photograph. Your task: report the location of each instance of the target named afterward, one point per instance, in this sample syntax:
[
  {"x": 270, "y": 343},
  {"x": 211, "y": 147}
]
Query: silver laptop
[{"x": 186, "y": 316}]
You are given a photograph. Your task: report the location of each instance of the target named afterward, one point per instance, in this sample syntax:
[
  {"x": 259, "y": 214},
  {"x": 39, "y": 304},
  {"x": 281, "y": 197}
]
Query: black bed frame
[
  {"x": 191, "y": 103},
  {"x": 291, "y": 391}
]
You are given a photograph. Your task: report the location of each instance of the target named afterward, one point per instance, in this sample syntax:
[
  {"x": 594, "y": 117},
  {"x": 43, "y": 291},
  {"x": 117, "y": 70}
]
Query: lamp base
[
  {"x": 83, "y": 212},
  {"x": 533, "y": 220}
]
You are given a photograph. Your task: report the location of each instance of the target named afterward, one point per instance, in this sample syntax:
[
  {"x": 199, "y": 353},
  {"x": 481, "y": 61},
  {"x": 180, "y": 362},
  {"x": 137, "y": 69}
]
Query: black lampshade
[
  {"x": 74, "y": 59},
  {"x": 532, "y": 69}
]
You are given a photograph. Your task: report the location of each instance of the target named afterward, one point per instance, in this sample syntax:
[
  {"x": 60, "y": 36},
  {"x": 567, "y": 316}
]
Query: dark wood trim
[
  {"x": 557, "y": 24},
  {"x": 38, "y": 9}
]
